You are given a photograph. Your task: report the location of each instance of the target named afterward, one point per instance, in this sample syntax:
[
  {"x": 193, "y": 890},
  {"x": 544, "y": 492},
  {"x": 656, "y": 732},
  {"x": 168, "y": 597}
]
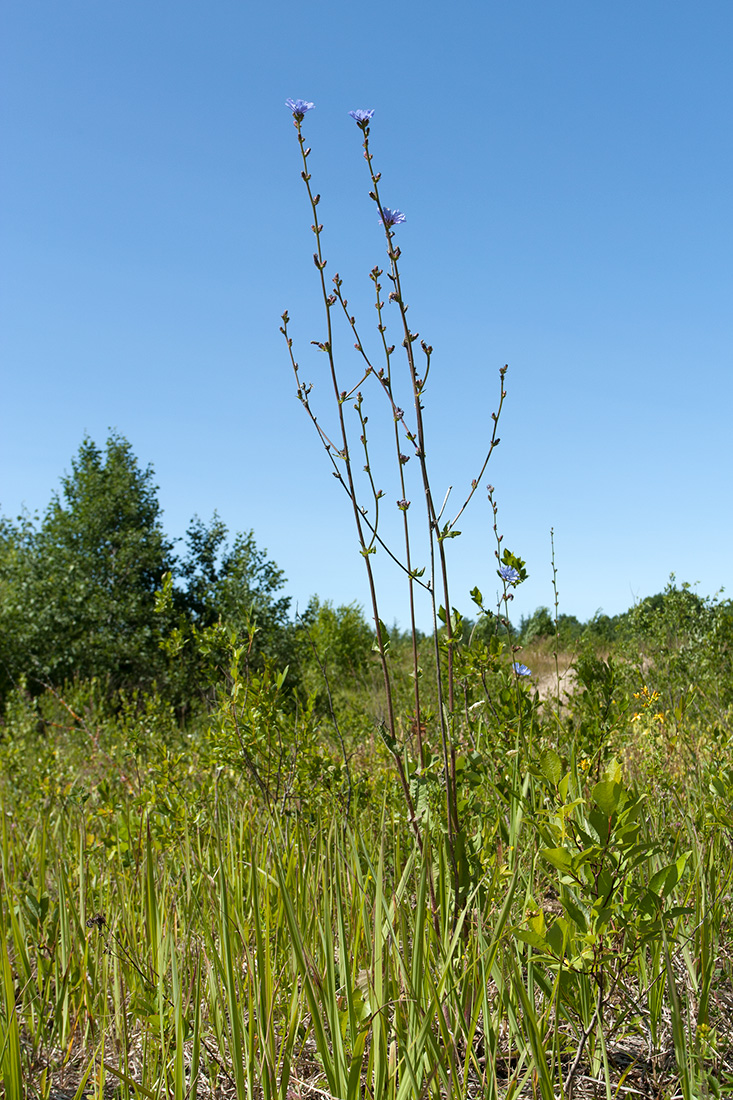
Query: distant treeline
[
  {"x": 95, "y": 589},
  {"x": 690, "y": 608}
]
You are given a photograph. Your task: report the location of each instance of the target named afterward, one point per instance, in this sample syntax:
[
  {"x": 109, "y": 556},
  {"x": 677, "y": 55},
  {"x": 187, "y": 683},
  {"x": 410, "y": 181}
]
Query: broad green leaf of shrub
[
  {"x": 559, "y": 858},
  {"x": 601, "y": 824},
  {"x": 613, "y": 770},
  {"x": 607, "y": 796},
  {"x": 559, "y": 936},
  {"x": 575, "y": 913},
  {"x": 551, "y": 766},
  {"x": 664, "y": 881},
  {"x": 534, "y": 939},
  {"x": 604, "y": 884},
  {"x": 537, "y": 922}
]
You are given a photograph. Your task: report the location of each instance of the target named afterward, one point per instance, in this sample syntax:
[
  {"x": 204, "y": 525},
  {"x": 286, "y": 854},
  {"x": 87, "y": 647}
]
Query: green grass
[{"x": 169, "y": 932}]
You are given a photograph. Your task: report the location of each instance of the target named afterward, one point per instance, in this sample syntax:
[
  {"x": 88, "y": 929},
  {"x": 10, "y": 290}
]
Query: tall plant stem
[
  {"x": 343, "y": 453},
  {"x": 327, "y": 346},
  {"x": 444, "y": 716}
]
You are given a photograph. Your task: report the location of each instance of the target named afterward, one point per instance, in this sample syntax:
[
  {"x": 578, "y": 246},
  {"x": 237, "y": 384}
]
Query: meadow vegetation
[{"x": 248, "y": 855}]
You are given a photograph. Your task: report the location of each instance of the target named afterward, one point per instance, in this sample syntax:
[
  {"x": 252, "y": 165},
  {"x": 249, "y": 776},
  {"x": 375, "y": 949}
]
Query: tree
[
  {"x": 78, "y": 590},
  {"x": 540, "y": 625},
  {"x": 14, "y": 568},
  {"x": 569, "y": 629},
  {"x": 236, "y": 585},
  {"x": 336, "y": 638},
  {"x": 77, "y": 593}
]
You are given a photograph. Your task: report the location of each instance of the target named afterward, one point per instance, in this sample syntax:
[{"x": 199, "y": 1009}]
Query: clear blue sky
[{"x": 565, "y": 168}]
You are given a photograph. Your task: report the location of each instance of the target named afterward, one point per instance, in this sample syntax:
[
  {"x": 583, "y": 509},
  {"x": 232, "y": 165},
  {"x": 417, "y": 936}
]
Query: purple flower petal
[
  {"x": 391, "y": 217},
  {"x": 362, "y": 116},
  {"x": 299, "y": 107}
]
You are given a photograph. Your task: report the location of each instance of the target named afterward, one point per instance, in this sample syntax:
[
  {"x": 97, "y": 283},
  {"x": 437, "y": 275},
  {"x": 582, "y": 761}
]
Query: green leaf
[
  {"x": 600, "y": 823},
  {"x": 558, "y": 936},
  {"x": 551, "y": 766},
  {"x": 607, "y": 796},
  {"x": 613, "y": 770},
  {"x": 164, "y": 595},
  {"x": 559, "y": 858},
  {"x": 718, "y": 787},
  {"x": 648, "y": 904},
  {"x": 537, "y": 922},
  {"x": 383, "y": 637},
  {"x": 575, "y": 913},
  {"x": 534, "y": 939},
  {"x": 678, "y": 911},
  {"x": 664, "y": 881},
  {"x": 389, "y": 740},
  {"x": 604, "y": 884}
]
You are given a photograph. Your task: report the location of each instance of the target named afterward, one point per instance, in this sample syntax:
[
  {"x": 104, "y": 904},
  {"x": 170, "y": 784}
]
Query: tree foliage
[
  {"x": 78, "y": 589},
  {"x": 338, "y": 639},
  {"x": 236, "y": 583}
]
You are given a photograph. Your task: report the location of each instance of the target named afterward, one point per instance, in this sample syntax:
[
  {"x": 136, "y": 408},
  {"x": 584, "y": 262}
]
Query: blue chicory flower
[
  {"x": 391, "y": 217},
  {"x": 509, "y": 573},
  {"x": 362, "y": 116},
  {"x": 521, "y": 670},
  {"x": 299, "y": 107}
]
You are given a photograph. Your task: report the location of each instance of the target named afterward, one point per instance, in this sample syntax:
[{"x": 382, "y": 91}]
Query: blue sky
[{"x": 565, "y": 169}]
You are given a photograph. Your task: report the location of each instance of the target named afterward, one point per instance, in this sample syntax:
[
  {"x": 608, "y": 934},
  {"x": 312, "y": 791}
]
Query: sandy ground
[{"x": 546, "y": 682}]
